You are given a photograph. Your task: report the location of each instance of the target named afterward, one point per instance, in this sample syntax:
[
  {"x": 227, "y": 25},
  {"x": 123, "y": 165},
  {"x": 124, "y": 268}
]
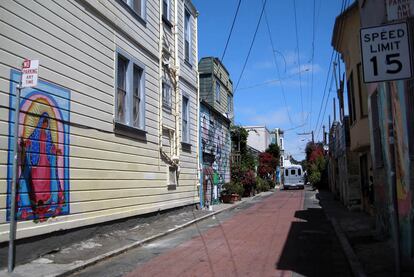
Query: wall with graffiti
[
  {"x": 394, "y": 105},
  {"x": 43, "y": 167},
  {"x": 215, "y": 147}
]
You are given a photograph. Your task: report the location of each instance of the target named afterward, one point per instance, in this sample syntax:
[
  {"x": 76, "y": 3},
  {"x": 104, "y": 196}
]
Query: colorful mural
[
  {"x": 394, "y": 179},
  {"x": 43, "y": 171},
  {"x": 215, "y": 147}
]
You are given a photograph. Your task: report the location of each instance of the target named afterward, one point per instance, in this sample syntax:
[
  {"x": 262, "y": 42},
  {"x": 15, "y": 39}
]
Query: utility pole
[{"x": 306, "y": 134}]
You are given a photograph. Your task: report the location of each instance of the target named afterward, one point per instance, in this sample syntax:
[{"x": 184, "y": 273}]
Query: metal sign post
[
  {"x": 29, "y": 79},
  {"x": 13, "y": 223}
]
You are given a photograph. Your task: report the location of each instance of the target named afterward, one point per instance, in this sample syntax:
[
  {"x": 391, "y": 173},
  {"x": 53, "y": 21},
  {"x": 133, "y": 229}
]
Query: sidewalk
[
  {"x": 64, "y": 261},
  {"x": 367, "y": 254}
]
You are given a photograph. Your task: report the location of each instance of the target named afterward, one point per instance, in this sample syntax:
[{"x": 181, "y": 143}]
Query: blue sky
[{"x": 259, "y": 97}]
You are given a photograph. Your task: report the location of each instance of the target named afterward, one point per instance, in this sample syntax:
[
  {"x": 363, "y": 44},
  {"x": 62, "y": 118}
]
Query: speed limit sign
[{"x": 385, "y": 53}]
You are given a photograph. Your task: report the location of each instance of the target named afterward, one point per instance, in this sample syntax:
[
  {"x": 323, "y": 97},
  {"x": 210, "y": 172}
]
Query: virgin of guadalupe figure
[{"x": 40, "y": 194}]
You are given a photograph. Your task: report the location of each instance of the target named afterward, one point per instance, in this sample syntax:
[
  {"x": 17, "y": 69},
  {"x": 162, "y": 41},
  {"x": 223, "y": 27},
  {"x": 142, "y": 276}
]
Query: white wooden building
[{"x": 111, "y": 129}]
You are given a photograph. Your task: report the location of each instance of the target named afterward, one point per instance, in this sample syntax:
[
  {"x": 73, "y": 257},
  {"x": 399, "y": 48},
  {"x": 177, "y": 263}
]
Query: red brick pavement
[{"x": 248, "y": 244}]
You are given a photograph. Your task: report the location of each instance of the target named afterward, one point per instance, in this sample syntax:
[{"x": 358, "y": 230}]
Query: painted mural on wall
[
  {"x": 215, "y": 153},
  {"x": 393, "y": 121},
  {"x": 402, "y": 164},
  {"x": 43, "y": 171}
]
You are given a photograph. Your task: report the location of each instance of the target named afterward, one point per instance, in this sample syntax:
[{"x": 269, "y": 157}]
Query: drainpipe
[
  {"x": 394, "y": 215},
  {"x": 176, "y": 159},
  {"x": 197, "y": 109},
  {"x": 160, "y": 66}
]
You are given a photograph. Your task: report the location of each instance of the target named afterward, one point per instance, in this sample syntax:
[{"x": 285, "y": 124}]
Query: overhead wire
[
  {"x": 327, "y": 78},
  {"x": 345, "y": 3},
  {"x": 298, "y": 55},
  {"x": 312, "y": 63},
  {"x": 251, "y": 46},
  {"x": 277, "y": 66},
  {"x": 231, "y": 31}
]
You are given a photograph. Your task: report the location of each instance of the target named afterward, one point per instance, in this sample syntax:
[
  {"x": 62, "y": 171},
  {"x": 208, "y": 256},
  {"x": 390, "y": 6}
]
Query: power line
[
  {"x": 326, "y": 103},
  {"x": 251, "y": 45},
  {"x": 346, "y": 3},
  {"x": 298, "y": 53},
  {"x": 231, "y": 31},
  {"x": 312, "y": 58},
  {"x": 329, "y": 71},
  {"x": 272, "y": 81},
  {"x": 277, "y": 66}
]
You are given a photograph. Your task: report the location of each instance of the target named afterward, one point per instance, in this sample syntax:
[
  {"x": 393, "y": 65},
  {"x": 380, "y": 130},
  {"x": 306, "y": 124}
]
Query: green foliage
[
  {"x": 263, "y": 185},
  {"x": 233, "y": 188},
  {"x": 274, "y": 150},
  {"x": 239, "y": 138},
  {"x": 248, "y": 161},
  {"x": 315, "y": 163}
]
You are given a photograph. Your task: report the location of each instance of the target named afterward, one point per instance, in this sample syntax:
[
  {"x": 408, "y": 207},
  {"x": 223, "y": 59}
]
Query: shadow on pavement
[{"x": 311, "y": 248}]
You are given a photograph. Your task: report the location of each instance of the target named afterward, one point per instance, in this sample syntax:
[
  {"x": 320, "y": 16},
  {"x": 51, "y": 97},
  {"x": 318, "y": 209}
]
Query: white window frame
[
  {"x": 187, "y": 33},
  {"x": 166, "y": 103},
  {"x": 131, "y": 3},
  {"x": 217, "y": 91},
  {"x": 229, "y": 107},
  {"x": 167, "y": 16},
  {"x": 129, "y": 86},
  {"x": 185, "y": 116}
]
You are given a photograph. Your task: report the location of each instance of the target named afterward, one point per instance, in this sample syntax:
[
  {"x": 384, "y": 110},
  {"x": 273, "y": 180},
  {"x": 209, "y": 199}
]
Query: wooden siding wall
[
  {"x": 111, "y": 176},
  {"x": 208, "y": 84}
]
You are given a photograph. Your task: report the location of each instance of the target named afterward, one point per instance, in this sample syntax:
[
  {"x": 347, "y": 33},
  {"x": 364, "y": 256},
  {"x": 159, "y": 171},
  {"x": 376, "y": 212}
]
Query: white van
[{"x": 293, "y": 177}]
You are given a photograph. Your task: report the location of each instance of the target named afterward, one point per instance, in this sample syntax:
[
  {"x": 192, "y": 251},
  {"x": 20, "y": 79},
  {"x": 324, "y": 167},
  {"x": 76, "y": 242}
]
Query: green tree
[{"x": 274, "y": 150}]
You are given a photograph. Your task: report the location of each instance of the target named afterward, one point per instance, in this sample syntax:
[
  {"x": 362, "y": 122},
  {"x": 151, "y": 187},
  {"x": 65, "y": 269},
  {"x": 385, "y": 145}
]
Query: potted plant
[{"x": 232, "y": 192}]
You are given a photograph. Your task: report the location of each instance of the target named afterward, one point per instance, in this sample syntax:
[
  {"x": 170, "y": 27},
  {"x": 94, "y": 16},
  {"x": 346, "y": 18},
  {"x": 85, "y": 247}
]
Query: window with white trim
[
  {"x": 187, "y": 36},
  {"x": 217, "y": 91},
  {"x": 129, "y": 99},
  {"x": 185, "y": 120},
  {"x": 166, "y": 95},
  {"x": 229, "y": 103},
  {"x": 166, "y": 9},
  {"x": 138, "y": 6}
]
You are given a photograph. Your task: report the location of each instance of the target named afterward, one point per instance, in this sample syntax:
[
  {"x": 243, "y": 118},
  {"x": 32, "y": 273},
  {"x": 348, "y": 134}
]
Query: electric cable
[
  {"x": 251, "y": 46},
  {"x": 231, "y": 31}
]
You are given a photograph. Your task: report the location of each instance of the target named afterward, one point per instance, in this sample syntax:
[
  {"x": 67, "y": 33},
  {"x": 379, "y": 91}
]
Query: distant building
[{"x": 259, "y": 137}]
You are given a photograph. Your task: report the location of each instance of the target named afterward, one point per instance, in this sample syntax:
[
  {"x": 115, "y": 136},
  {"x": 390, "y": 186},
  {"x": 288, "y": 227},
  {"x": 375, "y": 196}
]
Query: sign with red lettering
[
  {"x": 385, "y": 53},
  {"x": 399, "y": 9},
  {"x": 30, "y": 72}
]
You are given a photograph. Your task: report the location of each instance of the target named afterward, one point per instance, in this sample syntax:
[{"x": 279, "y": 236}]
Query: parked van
[{"x": 293, "y": 177}]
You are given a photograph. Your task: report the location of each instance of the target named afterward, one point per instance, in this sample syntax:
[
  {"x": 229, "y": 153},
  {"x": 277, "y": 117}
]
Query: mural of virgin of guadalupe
[{"x": 40, "y": 193}]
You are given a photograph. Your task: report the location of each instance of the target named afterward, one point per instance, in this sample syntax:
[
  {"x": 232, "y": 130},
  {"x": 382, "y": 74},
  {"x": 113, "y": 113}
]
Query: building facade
[
  {"x": 391, "y": 106},
  {"x": 216, "y": 115},
  {"x": 346, "y": 41},
  {"x": 111, "y": 130},
  {"x": 343, "y": 169},
  {"x": 277, "y": 136},
  {"x": 259, "y": 137}
]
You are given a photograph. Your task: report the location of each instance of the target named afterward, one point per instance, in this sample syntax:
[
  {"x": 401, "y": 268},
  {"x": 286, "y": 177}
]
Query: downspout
[
  {"x": 198, "y": 112},
  {"x": 160, "y": 66},
  {"x": 176, "y": 159}
]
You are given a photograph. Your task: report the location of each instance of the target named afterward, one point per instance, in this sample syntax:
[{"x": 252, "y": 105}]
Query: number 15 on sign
[{"x": 386, "y": 53}]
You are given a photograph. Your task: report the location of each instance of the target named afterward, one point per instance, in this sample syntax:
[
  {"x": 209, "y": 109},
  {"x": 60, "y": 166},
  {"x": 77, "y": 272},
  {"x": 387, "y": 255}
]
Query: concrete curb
[
  {"x": 84, "y": 264},
  {"x": 356, "y": 267}
]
